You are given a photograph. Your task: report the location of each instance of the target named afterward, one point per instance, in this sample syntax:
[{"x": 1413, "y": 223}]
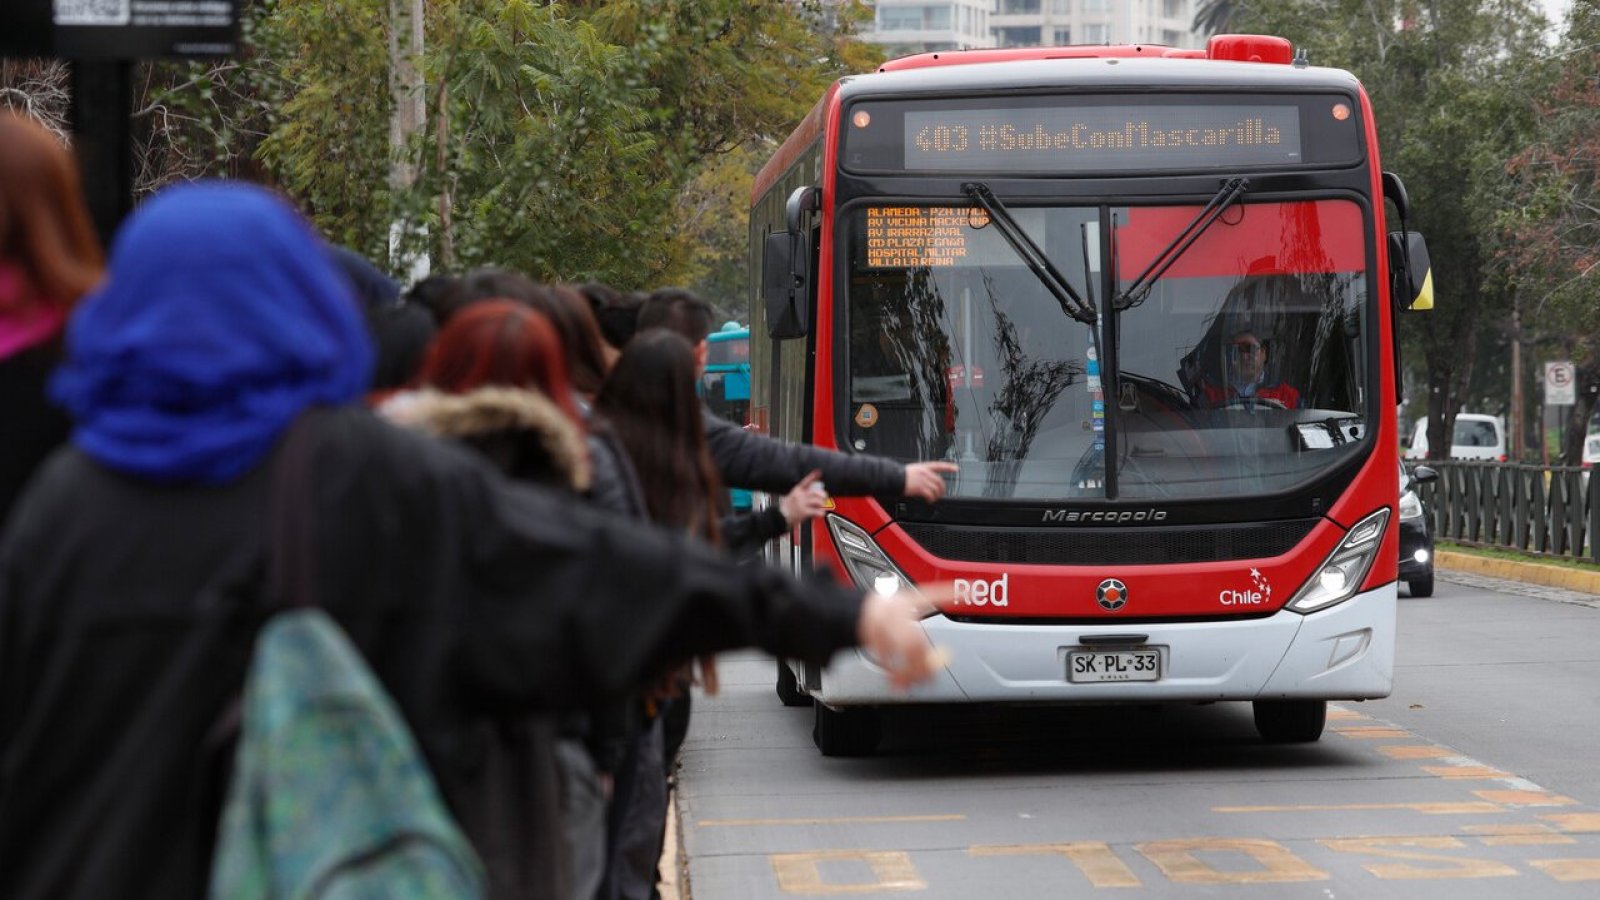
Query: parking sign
[{"x": 1560, "y": 384}]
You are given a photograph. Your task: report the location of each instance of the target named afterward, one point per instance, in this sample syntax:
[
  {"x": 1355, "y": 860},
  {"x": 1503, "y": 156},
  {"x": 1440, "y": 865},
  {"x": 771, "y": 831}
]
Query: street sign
[
  {"x": 118, "y": 29},
  {"x": 1560, "y": 384}
]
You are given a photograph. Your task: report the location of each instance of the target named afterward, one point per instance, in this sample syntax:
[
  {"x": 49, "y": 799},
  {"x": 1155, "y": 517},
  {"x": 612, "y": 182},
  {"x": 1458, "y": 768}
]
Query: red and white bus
[{"x": 1145, "y": 298}]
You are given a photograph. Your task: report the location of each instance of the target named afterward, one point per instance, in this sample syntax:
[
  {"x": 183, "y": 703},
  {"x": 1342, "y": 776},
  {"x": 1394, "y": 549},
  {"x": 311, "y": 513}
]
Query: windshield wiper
[
  {"x": 1072, "y": 303},
  {"x": 1231, "y": 191}
]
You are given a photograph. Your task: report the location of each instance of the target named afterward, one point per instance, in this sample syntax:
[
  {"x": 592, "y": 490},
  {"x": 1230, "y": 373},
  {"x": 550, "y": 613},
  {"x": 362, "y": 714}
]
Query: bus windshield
[{"x": 1241, "y": 371}]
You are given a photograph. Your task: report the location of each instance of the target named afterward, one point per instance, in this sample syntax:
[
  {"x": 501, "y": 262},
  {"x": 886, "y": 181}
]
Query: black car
[{"x": 1416, "y": 532}]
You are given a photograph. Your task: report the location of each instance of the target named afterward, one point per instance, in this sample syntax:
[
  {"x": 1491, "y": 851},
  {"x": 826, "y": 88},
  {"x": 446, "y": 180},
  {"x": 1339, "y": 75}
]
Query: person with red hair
[
  {"x": 49, "y": 257},
  {"x": 495, "y": 379}
]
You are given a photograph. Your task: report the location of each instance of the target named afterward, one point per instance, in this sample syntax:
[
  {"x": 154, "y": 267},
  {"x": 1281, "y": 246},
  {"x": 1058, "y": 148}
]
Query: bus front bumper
[{"x": 1345, "y": 652}]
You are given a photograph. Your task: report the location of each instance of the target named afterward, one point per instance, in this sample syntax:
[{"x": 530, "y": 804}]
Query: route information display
[
  {"x": 1107, "y": 138},
  {"x": 904, "y": 237}
]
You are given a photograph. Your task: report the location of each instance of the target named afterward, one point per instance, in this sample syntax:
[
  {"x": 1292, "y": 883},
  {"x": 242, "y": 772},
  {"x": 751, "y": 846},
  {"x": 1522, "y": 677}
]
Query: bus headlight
[
  {"x": 1342, "y": 573},
  {"x": 869, "y": 567},
  {"x": 1410, "y": 505}
]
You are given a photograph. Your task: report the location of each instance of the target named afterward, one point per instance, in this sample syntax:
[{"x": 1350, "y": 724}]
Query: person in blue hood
[
  {"x": 223, "y": 318},
  {"x": 218, "y": 471}
]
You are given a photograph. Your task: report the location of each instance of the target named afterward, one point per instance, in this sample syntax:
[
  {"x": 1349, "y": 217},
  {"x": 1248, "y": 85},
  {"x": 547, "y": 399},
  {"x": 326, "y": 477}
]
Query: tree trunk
[
  {"x": 1577, "y": 428},
  {"x": 408, "y": 93}
]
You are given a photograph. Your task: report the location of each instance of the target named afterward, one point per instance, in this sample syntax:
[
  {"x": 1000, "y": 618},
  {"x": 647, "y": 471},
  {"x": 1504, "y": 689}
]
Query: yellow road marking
[
  {"x": 1517, "y": 834},
  {"x": 1450, "y": 867},
  {"x": 801, "y": 873},
  {"x": 1372, "y": 732},
  {"x": 1463, "y": 772},
  {"x": 1526, "y": 798},
  {"x": 1336, "y": 714},
  {"x": 1576, "y": 823},
  {"x": 839, "y": 820},
  {"x": 1177, "y": 860},
  {"x": 1432, "y": 809},
  {"x": 1093, "y": 858},
  {"x": 1568, "y": 869},
  {"x": 1415, "y": 751}
]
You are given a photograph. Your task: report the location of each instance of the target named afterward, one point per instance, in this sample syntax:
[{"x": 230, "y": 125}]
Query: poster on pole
[
  {"x": 1560, "y": 384},
  {"x": 119, "y": 29}
]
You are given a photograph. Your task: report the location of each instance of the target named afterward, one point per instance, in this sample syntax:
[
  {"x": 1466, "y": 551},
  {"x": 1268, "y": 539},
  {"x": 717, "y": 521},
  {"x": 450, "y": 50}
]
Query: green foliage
[
  {"x": 1452, "y": 84},
  {"x": 330, "y": 145}
]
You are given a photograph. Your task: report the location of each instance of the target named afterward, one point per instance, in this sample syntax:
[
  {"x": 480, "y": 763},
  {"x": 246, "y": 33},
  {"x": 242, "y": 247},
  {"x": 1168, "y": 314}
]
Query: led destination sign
[{"x": 1064, "y": 139}]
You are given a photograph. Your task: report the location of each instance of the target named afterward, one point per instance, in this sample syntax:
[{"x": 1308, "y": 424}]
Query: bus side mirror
[
  {"x": 1410, "y": 271},
  {"x": 785, "y": 291}
]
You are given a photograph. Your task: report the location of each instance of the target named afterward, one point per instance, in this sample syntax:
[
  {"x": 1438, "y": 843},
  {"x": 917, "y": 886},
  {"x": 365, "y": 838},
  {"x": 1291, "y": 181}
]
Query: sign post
[{"x": 103, "y": 38}]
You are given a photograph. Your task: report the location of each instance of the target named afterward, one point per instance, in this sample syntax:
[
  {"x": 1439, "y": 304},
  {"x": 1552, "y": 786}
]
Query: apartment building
[{"x": 914, "y": 26}]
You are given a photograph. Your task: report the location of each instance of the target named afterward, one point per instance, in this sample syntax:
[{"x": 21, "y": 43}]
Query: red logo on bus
[{"x": 1112, "y": 595}]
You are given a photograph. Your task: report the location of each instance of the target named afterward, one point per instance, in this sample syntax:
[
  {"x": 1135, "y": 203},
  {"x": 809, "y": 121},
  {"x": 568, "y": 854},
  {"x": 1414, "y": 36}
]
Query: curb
[{"x": 1516, "y": 570}]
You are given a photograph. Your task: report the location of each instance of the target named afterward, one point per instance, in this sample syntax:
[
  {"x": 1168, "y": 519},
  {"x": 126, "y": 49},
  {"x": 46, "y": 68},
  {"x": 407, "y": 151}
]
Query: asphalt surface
[{"x": 1478, "y": 777}]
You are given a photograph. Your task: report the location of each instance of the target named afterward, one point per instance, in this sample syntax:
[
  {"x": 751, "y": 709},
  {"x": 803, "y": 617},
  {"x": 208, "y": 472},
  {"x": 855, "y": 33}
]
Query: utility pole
[
  {"x": 1516, "y": 377},
  {"x": 407, "y": 89}
]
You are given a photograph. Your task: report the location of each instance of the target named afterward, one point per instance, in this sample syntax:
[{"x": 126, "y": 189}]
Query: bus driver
[{"x": 1246, "y": 375}]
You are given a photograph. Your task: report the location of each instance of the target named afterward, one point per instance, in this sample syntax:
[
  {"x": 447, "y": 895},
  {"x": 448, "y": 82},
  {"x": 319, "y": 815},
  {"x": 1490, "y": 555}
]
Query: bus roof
[
  {"x": 1229, "y": 62},
  {"x": 1091, "y": 73}
]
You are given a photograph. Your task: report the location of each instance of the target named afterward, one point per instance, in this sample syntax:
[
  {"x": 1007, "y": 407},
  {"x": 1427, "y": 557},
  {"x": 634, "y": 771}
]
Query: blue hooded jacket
[{"x": 220, "y": 320}]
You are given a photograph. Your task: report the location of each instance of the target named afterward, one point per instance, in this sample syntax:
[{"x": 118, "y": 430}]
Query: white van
[{"x": 1477, "y": 437}]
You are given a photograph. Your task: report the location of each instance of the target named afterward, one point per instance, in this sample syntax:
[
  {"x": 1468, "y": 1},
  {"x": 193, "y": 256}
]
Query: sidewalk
[{"x": 1570, "y": 579}]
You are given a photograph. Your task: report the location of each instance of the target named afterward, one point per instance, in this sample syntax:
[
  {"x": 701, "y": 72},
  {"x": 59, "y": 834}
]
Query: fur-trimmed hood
[{"x": 497, "y": 413}]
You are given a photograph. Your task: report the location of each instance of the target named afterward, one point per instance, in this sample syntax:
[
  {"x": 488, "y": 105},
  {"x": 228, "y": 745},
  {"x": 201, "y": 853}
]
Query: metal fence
[{"x": 1551, "y": 510}]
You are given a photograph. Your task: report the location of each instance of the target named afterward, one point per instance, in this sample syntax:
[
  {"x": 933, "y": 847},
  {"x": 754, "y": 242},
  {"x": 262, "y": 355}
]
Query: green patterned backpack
[{"x": 330, "y": 797}]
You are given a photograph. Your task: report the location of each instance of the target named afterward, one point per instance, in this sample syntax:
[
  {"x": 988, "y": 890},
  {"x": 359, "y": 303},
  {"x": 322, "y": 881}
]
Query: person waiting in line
[
  {"x": 132, "y": 574},
  {"x": 1245, "y": 365},
  {"x": 495, "y": 379},
  {"x": 649, "y": 399},
  {"x": 400, "y": 329},
  {"x": 745, "y": 459},
  {"x": 49, "y": 257},
  {"x": 616, "y": 312}
]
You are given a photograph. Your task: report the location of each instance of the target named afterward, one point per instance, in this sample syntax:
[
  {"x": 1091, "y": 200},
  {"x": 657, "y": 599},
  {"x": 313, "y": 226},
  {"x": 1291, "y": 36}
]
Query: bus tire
[
  {"x": 1290, "y": 721},
  {"x": 1421, "y": 587},
  {"x": 789, "y": 693},
  {"x": 851, "y": 731}
]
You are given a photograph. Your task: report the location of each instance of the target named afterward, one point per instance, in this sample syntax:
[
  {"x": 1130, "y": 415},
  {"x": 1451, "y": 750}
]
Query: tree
[
  {"x": 1552, "y": 224},
  {"x": 1445, "y": 78}
]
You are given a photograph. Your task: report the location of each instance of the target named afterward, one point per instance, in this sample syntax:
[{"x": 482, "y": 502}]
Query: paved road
[{"x": 1479, "y": 777}]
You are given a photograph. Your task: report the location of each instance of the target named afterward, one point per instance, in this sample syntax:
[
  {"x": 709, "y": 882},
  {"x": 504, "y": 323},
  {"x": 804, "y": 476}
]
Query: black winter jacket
[
  {"x": 756, "y": 462},
  {"x": 127, "y": 613}
]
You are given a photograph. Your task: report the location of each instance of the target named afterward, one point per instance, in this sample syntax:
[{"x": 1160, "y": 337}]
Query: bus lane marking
[
  {"x": 836, "y": 820},
  {"x": 1537, "y": 797},
  {"x": 1517, "y": 834},
  {"x": 1416, "y": 751},
  {"x": 801, "y": 873},
  {"x": 1575, "y": 823},
  {"x": 1095, "y": 859},
  {"x": 1388, "y": 847},
  {"x": 1568, "y": 869},
  {"x": 1180, "y": 861},
  {"x": 1372, "y": 732},
  {"x": 1467, "y": 770},
  {"x": 1456, "y": 808}
]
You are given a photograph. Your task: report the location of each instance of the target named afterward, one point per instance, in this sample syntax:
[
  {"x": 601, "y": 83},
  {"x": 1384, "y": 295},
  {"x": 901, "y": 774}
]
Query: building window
[
  {"x": 1018, "y": 37},
  {"x": 1172, "y": 38},
  {"x": 1018, "y": 8},
  {"x": 1094, "y": 6},
  {"x": 1172, "y": 9},
  {"x": 914, "y": 18},
  {"x": 1097, "y": 34},
  {"x": 1063, "y": 37},
  {"x": 1061, "y": 7}
]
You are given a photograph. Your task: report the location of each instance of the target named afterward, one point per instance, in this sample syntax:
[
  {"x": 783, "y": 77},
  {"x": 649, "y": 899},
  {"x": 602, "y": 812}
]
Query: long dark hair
[{"x": 649, "y": 401}]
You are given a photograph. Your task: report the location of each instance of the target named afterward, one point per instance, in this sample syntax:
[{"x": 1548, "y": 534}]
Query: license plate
[{"x": 1086, "y": 666}]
